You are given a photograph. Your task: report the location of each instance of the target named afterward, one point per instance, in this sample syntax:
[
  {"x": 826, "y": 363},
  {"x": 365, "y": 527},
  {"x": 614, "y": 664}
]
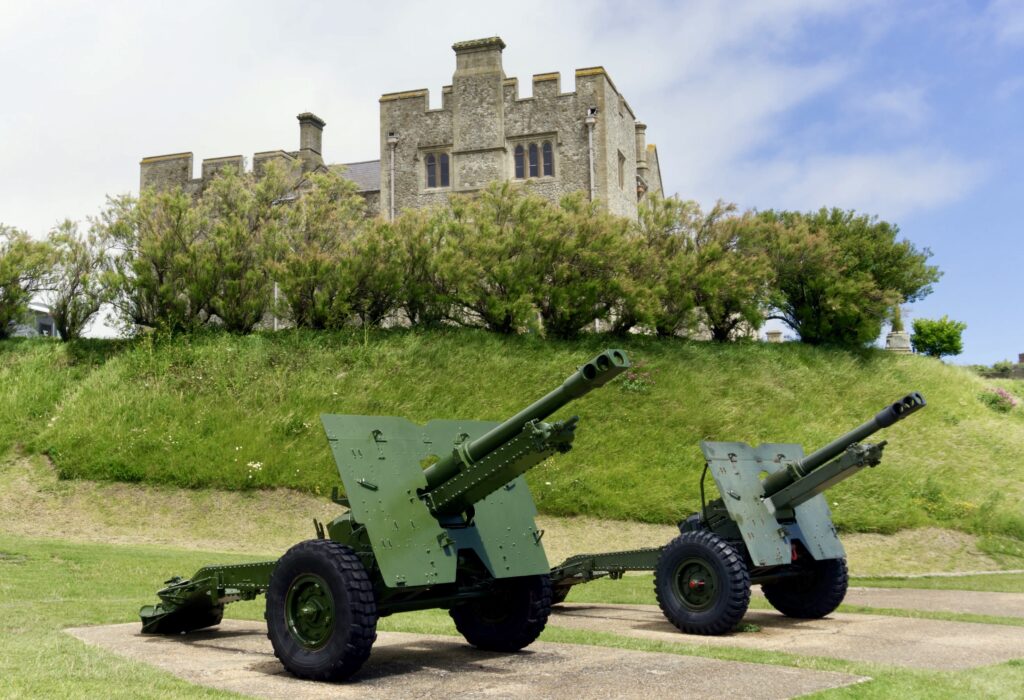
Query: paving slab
[
  {"x": 897, "y": 641},
  {"x": 237, "y": 657}
]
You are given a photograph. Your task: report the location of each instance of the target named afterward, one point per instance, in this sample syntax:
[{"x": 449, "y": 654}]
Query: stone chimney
[{"x": 311, "y": 135}]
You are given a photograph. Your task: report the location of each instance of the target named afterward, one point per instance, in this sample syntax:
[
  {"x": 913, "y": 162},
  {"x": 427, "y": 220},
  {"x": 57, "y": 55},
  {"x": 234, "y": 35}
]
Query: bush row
[{"x": 504, "y": 259}]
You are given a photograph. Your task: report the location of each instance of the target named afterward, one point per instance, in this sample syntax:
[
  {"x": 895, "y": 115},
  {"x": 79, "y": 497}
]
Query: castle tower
[{"x": 478, "y": 112}]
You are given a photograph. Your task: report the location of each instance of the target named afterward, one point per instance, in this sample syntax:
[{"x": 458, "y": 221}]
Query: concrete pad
[
  {"x": 898, "y": 641},
  {"x": 976, "y": 602},
  {"x": 238, "y": 657}
]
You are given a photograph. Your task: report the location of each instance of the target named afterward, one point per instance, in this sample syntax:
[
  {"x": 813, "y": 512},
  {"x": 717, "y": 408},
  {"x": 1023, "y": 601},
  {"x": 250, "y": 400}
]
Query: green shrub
[
  {"x": 998, "y": 399},
  {"x": 938, "y": 337}
]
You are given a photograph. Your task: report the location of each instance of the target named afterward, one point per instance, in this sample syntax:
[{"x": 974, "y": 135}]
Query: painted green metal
[
  {"x": 379, "y": 460},
  {"x": 309, "y": 611},
  {"x": 437, "y": 514},
  {"x": 770, "y": 508},
  {"x": 696, "y": 584}
]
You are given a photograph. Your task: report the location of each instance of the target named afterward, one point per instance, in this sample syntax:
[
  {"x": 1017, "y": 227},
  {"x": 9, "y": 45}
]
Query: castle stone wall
[{"x": 481, "y": 121}]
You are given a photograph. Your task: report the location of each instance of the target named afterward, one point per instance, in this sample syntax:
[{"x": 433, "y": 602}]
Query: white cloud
[
  {"x": 1007, "y": 20},
  {"x": 90, "y": 88},
  {"x": 905, "y": 105},
  {"x": 890, "y": 184}
]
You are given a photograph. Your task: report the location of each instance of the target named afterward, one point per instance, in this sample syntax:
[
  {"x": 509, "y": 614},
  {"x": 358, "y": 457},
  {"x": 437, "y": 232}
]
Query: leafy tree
[
  {"x": 373, "y": 273},
  {"x": 703, "y": 268},
  {"x": 938, "y": 337},
  {"x": 310, "y": 250},
  {"x": 75, "y": 283},
  {"x": 158, "y": 277},
  {"x": 582, "y": 251},
  {"x": 665, "y": 224},
  {"x": 24, "y": 264},
  {"x": 723, "y": 271},
  {"x": 838, "y": 273},
  {"x": 244, "y": 221},
  {"x": 489, "y": 256},
  {"x": 427, "y": 296},
  {"x": 897, "y": 320}
]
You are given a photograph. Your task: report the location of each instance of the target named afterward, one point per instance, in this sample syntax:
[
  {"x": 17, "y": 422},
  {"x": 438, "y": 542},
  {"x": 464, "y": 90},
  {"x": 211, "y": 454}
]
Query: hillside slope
[{"x": 242, "y": 413}]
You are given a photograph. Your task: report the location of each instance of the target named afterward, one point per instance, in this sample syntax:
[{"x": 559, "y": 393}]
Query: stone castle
[{"x": 555, "y": 142}]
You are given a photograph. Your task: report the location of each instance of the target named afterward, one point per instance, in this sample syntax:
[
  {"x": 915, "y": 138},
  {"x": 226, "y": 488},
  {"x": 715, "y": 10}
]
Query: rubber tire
[
  {"x": 509, "y": 620},
  {"x": 355, "y": 611},
  {"x": 733, "y": 597},
  {"x": 813, "y": 595},
  {"x": 558, "y": 595}
]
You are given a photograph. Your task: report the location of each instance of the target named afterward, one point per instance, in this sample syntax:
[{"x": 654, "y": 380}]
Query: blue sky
[{"x": 908, "y": 110}]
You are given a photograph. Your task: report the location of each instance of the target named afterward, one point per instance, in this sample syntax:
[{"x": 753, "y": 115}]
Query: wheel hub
[
  {"x": 309, "y": 611},
  {"x": 696, "y": 584}
]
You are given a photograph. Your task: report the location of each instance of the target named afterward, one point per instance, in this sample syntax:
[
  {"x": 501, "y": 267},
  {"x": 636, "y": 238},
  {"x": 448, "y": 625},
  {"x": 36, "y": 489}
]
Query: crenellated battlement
[
  {"x": 175, "y": 169},
  {"x": 545, "y": 86},
  {"x": 555, "y": 142}
]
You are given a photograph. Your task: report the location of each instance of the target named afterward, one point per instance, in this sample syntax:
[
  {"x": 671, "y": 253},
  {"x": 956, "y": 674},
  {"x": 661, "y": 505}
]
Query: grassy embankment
[{"x": 242, "y": 413}]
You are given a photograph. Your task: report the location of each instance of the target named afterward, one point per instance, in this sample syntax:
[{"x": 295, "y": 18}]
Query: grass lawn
[{"x": 47, "y": 585}]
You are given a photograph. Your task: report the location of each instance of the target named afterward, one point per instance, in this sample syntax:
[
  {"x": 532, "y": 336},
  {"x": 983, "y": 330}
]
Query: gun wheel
[
  {"x": 813, "y": 594},
  {"x": 702, "y": 584},
  {"x": 511, "y": 618},
  {"x": 321, "y": 613}
]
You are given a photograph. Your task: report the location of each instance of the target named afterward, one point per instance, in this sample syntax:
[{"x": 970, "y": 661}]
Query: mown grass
[
  {"x": 241, "y": 413},
  {"x": 47, "y": 586},
  {"x": 1000, "y": 583}
]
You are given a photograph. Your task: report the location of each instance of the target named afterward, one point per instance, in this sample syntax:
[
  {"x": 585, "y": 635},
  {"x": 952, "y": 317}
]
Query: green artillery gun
[
  {"x": 439, "y": 517},
  {"x": 771, "y": 527}
]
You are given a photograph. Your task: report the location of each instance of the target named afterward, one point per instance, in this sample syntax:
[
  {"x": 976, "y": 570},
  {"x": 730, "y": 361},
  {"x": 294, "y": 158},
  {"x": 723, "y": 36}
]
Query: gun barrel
[
  {"x": 595, "y": 373},
  {"x": 889, "y": 415}
]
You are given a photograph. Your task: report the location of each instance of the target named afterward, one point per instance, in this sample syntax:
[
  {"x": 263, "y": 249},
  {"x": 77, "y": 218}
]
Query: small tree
[
  {"x": 490, "y": 260},
  {"x": 838, "y": 274},
  {"x": 427, "y": 295},
  {"x": 582, "y": 250},
  {"x": 75, "y": 284},
  {"x": 157, "y": 276},
  {"x": 373, "y": 272},
  {"x": 938, "y": 337},
  {"x": 723, "y": 270},
  {"x": 665, "y": 225},
  {"x": 243, "y": 221},
  {"x": 897, "y": 320},
  {"x": 309, "y": 252},
  {"x": 24, "y": 265}
]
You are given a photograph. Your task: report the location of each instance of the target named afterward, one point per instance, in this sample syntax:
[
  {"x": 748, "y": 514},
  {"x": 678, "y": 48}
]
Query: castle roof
[{"x": 366, "y": 174}]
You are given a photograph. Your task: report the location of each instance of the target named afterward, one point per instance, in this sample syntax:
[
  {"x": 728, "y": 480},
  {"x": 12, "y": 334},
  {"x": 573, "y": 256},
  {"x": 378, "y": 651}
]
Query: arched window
[
  {"x": 431, "y": 170},
  {"x": 437, "y": 167},
  {"x": 534, "y": 171},
  {"x": 549, "y": 159},
  {"x": 520, "y": 162}
]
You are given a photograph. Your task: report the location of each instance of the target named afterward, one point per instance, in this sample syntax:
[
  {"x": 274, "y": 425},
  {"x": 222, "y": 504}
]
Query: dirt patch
[
  {"x": 925, "y": 550},
  {"x": 35, "y": 503},
  {"x": 896, "y": 641},
  {"x": 238, "y": 657}
]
